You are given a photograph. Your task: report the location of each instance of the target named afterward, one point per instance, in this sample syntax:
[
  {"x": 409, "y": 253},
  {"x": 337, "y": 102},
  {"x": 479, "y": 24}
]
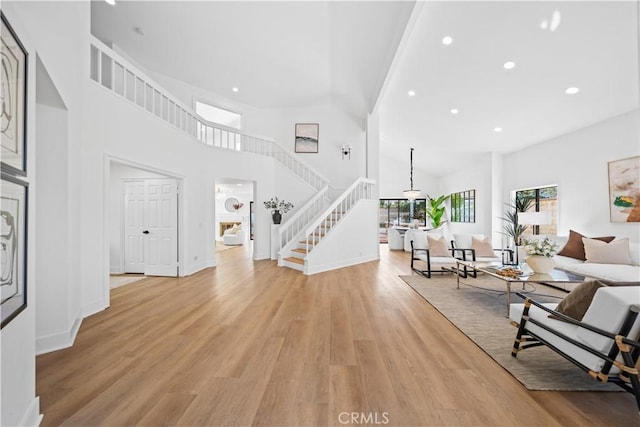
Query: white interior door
[
  {"x": 134, "y": 223},
  {"x": 161, "y": 228}
]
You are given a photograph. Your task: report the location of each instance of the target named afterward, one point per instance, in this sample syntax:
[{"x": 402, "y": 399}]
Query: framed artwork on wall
[
  {"x": 624, "y": 190},
  {"x": 307, "y": 137},
  {"x": 13, "y": 239},
  {"x": 13, "y": 67}
]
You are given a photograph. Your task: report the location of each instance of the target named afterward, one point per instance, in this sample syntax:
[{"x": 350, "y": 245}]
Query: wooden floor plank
[{"x": 249, "y": 343}]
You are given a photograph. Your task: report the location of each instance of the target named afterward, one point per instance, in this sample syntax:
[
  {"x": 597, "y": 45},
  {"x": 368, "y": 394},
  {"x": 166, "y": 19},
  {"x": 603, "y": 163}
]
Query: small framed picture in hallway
[{"x": 307, "y": 137}]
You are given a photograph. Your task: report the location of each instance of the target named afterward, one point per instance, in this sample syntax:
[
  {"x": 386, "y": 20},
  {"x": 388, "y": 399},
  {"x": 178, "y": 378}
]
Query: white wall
[
  {"x": 577, "y": 163},
  {"x": 118, "y": 174},
  {"x": 478, "y": 177}
]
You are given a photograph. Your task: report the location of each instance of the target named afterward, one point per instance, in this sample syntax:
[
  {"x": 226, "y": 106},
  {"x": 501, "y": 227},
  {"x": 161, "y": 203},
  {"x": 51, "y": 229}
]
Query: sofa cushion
[
  {"x": 611, "y": 272},
  {"x": 464, "y": 240},
  {"x": 575, "y": 247},
  {"x": 576, "y": 303},
  {"x": 437, "y": 246},
  {"x": 483, "y": 247},
  {"x": 614, "y": 252}
]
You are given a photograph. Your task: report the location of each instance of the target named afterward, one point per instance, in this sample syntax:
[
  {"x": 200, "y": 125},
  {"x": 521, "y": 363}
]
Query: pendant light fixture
[{"x": 411, "y": 194}]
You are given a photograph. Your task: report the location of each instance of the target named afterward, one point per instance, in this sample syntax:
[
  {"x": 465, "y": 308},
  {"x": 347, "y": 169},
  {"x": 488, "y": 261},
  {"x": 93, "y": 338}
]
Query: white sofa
[
  {"x": 607, "y": 272},
  {"x": 234, "y": 237},
  {"x": 610, "y": 309}
]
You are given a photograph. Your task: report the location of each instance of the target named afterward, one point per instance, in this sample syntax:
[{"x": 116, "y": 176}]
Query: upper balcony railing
[{"x": 118, "y": 75}]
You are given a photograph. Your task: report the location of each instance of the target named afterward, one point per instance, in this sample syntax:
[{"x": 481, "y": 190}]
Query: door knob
[{"x": 145, "y": 232}]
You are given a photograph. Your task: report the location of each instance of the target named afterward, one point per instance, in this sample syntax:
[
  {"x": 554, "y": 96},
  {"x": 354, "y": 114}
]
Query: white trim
[
  {"x": 58, "y": 341},
  {"x": 32, "y": 417},
  {"x": 340, "y": 264}
]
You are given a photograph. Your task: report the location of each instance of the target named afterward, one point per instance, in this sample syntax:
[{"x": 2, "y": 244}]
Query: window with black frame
[
  {"x": 397, "y": 213},
  {"x": 463, "y": 206},
  {"x": 544, "y": 199}
]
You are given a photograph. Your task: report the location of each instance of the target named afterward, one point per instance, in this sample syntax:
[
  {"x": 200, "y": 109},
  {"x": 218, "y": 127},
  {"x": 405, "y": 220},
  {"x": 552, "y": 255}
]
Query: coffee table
[{"x": 555, "y": 276}]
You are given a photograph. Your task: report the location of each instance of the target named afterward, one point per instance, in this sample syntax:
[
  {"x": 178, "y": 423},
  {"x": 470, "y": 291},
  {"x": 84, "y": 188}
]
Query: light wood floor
[{"x": 248, "y": 343}]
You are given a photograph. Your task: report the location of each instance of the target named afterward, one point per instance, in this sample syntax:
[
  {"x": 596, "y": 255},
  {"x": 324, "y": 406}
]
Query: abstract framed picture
[
  {"x": 13, "y": 82},
  {"x": 624, "y": 190},
  {"x": 307, "y": 137},
  {"x": 13, "y": 247}
]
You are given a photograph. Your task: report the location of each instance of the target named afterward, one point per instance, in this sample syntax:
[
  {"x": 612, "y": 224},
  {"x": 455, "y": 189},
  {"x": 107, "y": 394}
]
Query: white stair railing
[
  {"x": 359, "y": 190},
  {"x": 113, "y": 72},
  {"x": 291, "y": 230}
]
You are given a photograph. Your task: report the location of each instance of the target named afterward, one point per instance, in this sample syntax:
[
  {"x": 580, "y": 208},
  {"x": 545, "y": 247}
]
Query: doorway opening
[
  {"x": 143, "y": 223},
  {"x": 234, "y": 220}
]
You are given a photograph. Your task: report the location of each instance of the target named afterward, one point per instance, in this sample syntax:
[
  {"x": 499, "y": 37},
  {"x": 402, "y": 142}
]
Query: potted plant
[
  {"x": 435, "y": 210},
  {"x": 512, "y": 228},
  {"x": 278, "y": 207}
]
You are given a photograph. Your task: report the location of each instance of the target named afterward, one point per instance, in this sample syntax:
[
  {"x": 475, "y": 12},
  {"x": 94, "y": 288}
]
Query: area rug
[{"x": 478, "y": 309}]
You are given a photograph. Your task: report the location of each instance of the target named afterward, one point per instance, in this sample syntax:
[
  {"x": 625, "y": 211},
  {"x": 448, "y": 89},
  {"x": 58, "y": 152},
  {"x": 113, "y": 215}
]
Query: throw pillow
[
  {"x": 575, "y": 247},
  {"x": 483, "y": 247},
  {"x": 576, "y": 303},
  {"x": 615, "y": 252},
  {"x": 438, "y": 246}
]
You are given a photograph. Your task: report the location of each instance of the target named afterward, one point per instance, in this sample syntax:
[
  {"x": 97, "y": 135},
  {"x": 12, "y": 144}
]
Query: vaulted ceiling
[{"x": 363, "y": 55}]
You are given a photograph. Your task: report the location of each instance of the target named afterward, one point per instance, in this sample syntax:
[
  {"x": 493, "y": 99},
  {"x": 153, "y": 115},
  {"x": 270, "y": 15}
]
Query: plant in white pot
[{"x": 540, "y": 254}]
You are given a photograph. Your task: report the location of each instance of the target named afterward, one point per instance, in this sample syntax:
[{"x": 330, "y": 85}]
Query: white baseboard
[
  {"x": 313, "y": 269},
  {"x": 93, "y": 308},
  {"x": 116, "y": 269},
  {"x": 58, "y": 341},
  {"x": 32, "y": 417},
  {"x": 193, "y": 269}
]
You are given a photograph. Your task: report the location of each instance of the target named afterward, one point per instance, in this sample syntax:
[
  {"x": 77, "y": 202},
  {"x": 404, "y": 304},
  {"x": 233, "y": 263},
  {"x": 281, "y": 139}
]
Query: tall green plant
[
  {"x": 435, "y": 210},
  {"x": 512, "y": 227}
]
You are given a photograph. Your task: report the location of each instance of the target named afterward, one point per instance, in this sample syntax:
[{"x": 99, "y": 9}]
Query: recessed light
[
  {"x": 497, "y": 129},
  {"x": 411, "y": 93},
  {"x": 556, "y": 18},
  {"x": 235, "y": 89},
  {"x": 111, "y": 2},
  {"x": 454, "y": 111},
  {"x": 447, "y": 40},
  {"x": 572, "y": 90},
  {"x": 509, "y": 65}
]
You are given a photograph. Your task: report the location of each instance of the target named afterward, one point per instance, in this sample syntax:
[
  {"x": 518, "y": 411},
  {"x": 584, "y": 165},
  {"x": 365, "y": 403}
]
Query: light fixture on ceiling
[
  {"x": 447, "y": 40},
  {"x": 571, "y": 90},
  {"x": 454, "y": 111},
  {"x": 509, "y": 65},
  {"x": 111, "y": 2},
  {"x": 411, "y": 93},
  {"x": 234, "y": 89},
  {"x": 497, "y": 129},
  {"x": 346, "y": 151},
  {"x": 556, "y": 18},
  {"x": 411, "y": 194}
]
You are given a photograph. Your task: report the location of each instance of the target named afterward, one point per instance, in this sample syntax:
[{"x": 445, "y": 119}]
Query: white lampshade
[
  {"x": 411, "y": 194},
  {"x": 534, "y": 218}
]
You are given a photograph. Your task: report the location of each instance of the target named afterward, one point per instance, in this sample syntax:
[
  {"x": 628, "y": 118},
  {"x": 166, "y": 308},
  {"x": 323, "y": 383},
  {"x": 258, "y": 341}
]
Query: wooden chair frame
[{"x": 627, "y": 379}]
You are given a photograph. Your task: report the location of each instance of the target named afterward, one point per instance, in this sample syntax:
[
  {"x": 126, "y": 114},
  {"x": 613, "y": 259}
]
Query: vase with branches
[{"x": 278, "y": 207}]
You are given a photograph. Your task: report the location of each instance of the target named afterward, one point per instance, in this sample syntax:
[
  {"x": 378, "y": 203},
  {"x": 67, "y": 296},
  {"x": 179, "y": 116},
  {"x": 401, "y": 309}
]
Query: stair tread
[
  {"x": 300, "y": 250},
  {"x": 295, "y": 260}
]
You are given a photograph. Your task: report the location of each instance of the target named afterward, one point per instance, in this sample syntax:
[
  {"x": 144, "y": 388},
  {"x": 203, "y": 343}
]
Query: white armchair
[
  {"x": 396, "y": 240},
  {"x": 234, "y": 237}
]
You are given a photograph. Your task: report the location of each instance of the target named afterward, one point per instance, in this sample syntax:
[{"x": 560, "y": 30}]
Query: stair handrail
[
  {"x": 291, "y": 229},
  {"x": 360, "y": 189},
  {"x": 169, "y": 109}
]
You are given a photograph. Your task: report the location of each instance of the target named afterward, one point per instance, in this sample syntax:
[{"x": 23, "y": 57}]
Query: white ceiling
[
  {"x": 287, "y": 54},
  {"x": 595, "y": 48}
]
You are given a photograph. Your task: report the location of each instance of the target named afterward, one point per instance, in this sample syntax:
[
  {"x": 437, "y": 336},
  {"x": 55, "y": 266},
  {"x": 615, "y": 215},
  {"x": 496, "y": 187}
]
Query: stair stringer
[{"x": 353, "y": 240}]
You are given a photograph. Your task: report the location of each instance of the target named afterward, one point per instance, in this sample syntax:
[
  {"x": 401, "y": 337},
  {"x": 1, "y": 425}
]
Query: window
[
  {"x": 463, "y": 206},
  {"x": 397, "y": 212},
  {"x": 544, "y": 199},
  {"x": 219, "y": 115}
]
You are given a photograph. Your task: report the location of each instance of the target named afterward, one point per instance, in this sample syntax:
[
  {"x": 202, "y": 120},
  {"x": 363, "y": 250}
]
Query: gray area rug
[{"x": 478, "y": 309}]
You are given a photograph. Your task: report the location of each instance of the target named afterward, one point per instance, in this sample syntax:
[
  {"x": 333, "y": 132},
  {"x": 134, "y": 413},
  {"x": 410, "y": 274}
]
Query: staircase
[
  {"x": 297, "y": 252},
  {"x": 309, "y": 227}
]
